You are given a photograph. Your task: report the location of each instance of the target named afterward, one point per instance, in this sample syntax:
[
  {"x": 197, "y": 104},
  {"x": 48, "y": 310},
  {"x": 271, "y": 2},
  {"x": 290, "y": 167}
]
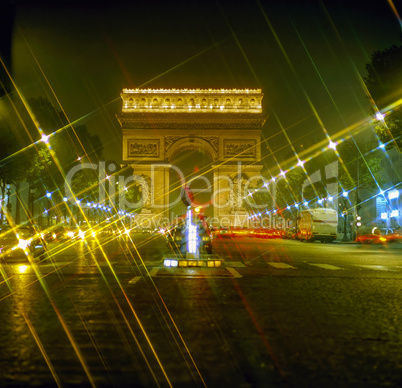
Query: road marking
[
  {"x": 153, "y": 271},
  {"x": 376, "y": 267},
  {"x": 326, "y": 266},
  {"x": 152, "y": 263},
  {"x": 134, "y": 280},
  {"x": 235, "y": 264},
  {"x": 281, "y": 265},
  {"x": 234, "y": 272}
]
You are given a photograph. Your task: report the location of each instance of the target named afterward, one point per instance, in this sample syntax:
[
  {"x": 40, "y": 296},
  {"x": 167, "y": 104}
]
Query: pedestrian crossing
[
  {"x": 233, "y": 267},
  {"x": 373, "y": 267},
  {"x": 281, "y": 265},
  {"x": 326, "y": 266}
]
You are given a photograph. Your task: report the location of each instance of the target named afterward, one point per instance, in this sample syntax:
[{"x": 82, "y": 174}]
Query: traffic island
[{"x": 191, "y": 261}]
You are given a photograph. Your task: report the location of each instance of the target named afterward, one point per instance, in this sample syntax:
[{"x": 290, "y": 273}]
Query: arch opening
[{"x": 191, "y": 167}]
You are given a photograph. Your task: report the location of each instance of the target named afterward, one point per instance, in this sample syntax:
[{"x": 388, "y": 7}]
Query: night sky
[{"x": 308, "y": 57}]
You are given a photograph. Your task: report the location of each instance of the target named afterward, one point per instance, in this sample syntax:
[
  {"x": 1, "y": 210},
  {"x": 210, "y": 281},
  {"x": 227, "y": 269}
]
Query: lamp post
[
  {"x": 345, "y": 218},
  {"x": 9, "y": 206},
  {"x": 65, "y": 199},
  {"x": 48, "y": 196},
  {"x": 78, "y": 203}
]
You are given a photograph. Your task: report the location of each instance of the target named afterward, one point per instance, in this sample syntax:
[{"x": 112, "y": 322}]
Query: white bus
[{"x": 318, "y": 224}]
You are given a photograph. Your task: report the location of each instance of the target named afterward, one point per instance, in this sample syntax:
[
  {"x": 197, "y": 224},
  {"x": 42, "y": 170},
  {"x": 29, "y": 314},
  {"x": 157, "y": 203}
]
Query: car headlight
[
  {"x": 70, "y": 234},
  {"x": 23, "y": 244}
]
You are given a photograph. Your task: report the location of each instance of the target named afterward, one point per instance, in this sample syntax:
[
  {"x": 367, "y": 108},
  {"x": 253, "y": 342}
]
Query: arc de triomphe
[{"x": 158, "y": 124}]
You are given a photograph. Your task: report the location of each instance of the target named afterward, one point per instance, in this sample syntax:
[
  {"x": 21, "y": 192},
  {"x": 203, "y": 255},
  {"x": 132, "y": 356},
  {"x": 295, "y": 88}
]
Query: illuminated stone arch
[
  {"x": 191, "y": 143},
  {"x": 158, "y": 124}
]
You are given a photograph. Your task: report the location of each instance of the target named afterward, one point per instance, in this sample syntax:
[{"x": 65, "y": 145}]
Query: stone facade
[{"x": 157, "y": 124}]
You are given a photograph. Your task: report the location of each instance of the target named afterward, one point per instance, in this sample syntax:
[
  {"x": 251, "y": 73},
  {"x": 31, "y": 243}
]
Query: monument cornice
[{"x": 197, "y": 120}]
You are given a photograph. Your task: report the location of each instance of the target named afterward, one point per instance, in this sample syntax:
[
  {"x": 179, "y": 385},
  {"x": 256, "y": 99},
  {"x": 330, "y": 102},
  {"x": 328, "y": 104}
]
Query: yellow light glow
[
  {"x": 23, "y": 244},
  {"x": 22, "y": 268}
]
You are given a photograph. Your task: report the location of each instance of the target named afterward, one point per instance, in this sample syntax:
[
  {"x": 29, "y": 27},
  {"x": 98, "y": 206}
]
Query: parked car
[{"x": 17, "y": 244}]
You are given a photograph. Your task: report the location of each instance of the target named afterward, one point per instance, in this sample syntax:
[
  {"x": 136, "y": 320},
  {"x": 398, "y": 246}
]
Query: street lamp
[
  {"x": 65, "y": 199},
  {"x": 48, "y": 196},
  {"x": 345, "y": 218},
  {"x": 9, "y": 206}
]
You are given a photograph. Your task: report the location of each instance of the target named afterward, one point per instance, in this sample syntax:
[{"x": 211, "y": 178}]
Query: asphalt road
[{"x": 277, "y": 313}]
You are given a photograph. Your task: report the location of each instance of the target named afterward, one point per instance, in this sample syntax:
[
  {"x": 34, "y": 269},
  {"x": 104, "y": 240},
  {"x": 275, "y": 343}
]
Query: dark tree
[
  {"x": 383, "y": 81},
  {"x": 68, "y": 141}
]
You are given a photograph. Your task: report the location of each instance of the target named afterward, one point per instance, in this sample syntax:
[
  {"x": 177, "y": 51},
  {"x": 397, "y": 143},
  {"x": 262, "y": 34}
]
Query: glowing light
[
  {"x": 393, "y": 194},
  {"x": 45, "y": 138},
  {"x": 301, "y": 163},
  {"x": 191, "y": 234},
  {"x": 379, "y": 116},
  {"x": 49, "y": 195},
  {"x": 170, "y": 263},
  {"x": 320, "y": 201},
  {"x": 384, "y": 216},
  {"x": 22, "y": 268},
  {"x": 65, "y": 199},
  {"x": 394, "y": 213},
  {"x": 23, "y": 244},
  {"x": 330, "y": 199},
  {"x": 345, "y": 194},
  {"x": 306, "y": 203},
  {"x": 332, "y": 145},
  {"x": 382, "y": 146}
]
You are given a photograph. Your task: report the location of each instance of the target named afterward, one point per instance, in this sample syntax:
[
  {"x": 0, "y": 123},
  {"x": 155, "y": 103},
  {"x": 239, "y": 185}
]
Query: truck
[{"x": 318, "y": 224}]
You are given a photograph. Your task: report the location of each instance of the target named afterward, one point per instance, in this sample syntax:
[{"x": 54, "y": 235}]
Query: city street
[{"x": 277, "y": 313}]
